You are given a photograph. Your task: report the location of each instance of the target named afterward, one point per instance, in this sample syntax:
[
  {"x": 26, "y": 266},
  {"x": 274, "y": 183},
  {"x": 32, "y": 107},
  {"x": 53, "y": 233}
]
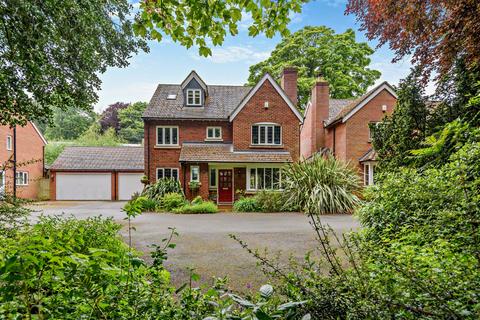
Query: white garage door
[
  {"x": 84, "y": 186},
  {"x": 128, "y": 184}
]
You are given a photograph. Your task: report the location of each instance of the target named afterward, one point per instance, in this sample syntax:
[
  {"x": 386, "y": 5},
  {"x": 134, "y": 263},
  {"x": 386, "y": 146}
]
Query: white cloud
[{"x": 229, "y": 54}]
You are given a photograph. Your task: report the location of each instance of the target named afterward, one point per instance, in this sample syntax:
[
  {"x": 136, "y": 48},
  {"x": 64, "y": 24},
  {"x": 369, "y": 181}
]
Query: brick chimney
[
  {"x": 320, "y": 104},
  {"x": 289, "y": 83}
]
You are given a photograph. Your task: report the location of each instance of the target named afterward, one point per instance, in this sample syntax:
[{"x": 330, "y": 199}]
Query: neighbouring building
[
  {"x": 219, "y": 139},
  {"x": 30, "y": 145},
  {"x": 97, "y": 173},
  {"x": 342, "y": 126}
]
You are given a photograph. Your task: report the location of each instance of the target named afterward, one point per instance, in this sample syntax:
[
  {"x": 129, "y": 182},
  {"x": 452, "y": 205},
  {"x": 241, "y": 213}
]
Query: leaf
[{"x": 266, "y": 291}]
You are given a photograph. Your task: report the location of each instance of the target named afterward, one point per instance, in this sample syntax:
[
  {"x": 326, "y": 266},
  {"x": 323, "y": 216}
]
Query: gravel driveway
[{"x": 204, "y": 243}]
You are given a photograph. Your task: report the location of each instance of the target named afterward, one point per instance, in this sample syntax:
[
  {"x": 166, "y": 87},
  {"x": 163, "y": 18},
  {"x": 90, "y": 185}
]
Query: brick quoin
[
  {"x": 30, "y": 147},
  {"x": 278, "y": 112}
]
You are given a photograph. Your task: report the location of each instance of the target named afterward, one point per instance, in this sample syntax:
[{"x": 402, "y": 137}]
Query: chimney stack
[
  {"x": 289, "y": 83},
  {"x": 320, "y": 103}
]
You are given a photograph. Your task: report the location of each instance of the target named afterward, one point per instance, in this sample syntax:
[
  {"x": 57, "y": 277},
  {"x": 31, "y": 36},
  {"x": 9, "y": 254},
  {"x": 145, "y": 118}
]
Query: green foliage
[
  {"x": 191, "y": 23},
  {"x": 321, "y": 185},
  {"x": 13, "y": 215},
  {"x": 172, "y": 200},
  {"x": 50, "y": 59},
  {"x": 53, "y": 149},
  {"x": 147, "y": 205},
  {"x": 157, "y": 190},
  {"x": 246, "y": 204},
  {"x": 94, "y": 137},
  {"x": 131, "y": 123},
  {"x": 69, "y": 124},
  {"x": 197, "y": 200},
  {"x": 342, "y": 61},
  {"x": 203, "y": 207},
  {"x": 273, "y": 201}
]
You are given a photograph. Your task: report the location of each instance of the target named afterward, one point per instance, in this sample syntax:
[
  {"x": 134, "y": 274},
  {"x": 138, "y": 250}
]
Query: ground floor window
[
  {"x": 368, "y": 172},
  {"x": 264, "y": 179},
  {"x": 166, "y": 173},
  {"x": 195, "y": 173},
  {"x": 22, "y": 178},
  {"x": 2, "y": 179},
  {"x": 212, "y": 178}
]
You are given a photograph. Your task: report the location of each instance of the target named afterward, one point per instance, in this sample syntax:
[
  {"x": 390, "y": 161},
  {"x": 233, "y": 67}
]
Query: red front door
[{"x": 225, "y": 186}]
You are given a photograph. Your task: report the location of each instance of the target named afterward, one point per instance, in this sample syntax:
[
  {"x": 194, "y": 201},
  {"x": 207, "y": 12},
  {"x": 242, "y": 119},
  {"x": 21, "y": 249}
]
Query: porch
[{"x": 216, "y": 172}]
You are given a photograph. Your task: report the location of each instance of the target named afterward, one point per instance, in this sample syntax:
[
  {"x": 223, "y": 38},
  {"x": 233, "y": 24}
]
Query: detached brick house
[
  {"x": 30, "y": 157},
  {"x": 342, "y": 126},
  {"x": 224, "y": 138}
]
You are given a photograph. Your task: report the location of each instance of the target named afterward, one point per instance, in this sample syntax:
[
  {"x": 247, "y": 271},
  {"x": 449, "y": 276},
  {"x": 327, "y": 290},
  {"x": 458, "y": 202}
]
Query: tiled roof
[
  {"x": 220, "y": 152},
  {"x": 348, "y": 107},
  {"x": 371, "y": 155},
  {"x": 337, "y": 106},
  {"x": 100, "y": 158},
  {"x": 220, "y": 103}
]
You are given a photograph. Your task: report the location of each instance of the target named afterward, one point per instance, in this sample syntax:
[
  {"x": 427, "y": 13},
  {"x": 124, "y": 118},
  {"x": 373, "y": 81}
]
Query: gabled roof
[
  {"x": 370, "y": 155},
  {"x": 224, "y": 152},
  {"x": 100, "y": 158},
  {"x": 193, "y": 75},
  {"x": 39, "y": 132},
  {"x": 267, "y": 77},
  {"x": 345, "y": 112},
  {"x": 220, "y": 103}
]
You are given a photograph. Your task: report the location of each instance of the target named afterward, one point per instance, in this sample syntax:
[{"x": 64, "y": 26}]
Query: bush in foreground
[
  {"x": 203, "y": 207},
  {"x": 246, "y": 204},
  {"x": 171, "y": 201},
  {"x": 157, "y": 190}
]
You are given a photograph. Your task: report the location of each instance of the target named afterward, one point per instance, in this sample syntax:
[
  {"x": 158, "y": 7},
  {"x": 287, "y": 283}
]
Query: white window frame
[
  {"x": 163, "y": 136},
  {"x": 198, "y": 173},
  {"x": 368, "y": 174},
  {"x": 196, "y": 93},
  {"x": 210, "y": 185},
  {"x": 9, "y": 143},
  {"x": 24, "y": 181},
  {"x": 163, "y": 174},
  {"x": 249, "y": 187},
  {"x": 2, "y": 178},
  {"x": 266, "y": 125},
  {"x": 219, "y": 138}
]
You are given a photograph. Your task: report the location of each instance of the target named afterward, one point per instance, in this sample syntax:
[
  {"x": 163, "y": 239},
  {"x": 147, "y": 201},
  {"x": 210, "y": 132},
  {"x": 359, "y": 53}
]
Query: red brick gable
[{"x": 278, "y": 111}]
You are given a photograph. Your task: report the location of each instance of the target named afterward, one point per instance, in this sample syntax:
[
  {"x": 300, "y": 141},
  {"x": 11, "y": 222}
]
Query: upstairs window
[
  {"x": 9, "y": 143},
  {"x": 194, "y": 97},
  {"x": 167, "y": 136},
  {"x": 214, "y": 133},
  {"x": 266, "y": 134}
]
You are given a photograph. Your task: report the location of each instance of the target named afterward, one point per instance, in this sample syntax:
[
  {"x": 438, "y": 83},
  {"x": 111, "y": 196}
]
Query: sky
[{"x": 168, "y": 62}]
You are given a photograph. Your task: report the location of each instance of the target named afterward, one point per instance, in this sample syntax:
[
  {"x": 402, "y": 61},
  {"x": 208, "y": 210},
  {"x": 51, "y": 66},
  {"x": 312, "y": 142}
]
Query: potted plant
[
  {"x": 194, "y": 186},
  {"x": 144, "y": 180}
]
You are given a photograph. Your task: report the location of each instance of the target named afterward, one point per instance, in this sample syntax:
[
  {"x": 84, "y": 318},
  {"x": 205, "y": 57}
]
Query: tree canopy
[
  {"x": 69, "y": 124},
  {"x": 51, "y": 54},
  {"x": 340, "y": 59},
  {"x": 191, "y": 22},
  {"x": 109, "y": 117},
  {"x": 131, "y": 123},
  {"x": 437, "y": 33}
]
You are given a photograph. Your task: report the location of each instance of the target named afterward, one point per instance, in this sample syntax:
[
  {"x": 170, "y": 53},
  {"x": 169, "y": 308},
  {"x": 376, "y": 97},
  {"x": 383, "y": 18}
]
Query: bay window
[{"x": 264, "y": 179}]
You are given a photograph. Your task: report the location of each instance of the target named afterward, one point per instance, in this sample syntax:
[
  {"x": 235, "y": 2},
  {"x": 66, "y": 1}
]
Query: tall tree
[
  {"x": 340, "y": 59},
  {"x": 109, "y": 117},
  {"x": 51, "y": 53},
  {"x": 131, "y": 123},
  {"x": 69, "y": 124},
  {"x": 191, "y": 22},
  {"x": 437, "y": 32}
]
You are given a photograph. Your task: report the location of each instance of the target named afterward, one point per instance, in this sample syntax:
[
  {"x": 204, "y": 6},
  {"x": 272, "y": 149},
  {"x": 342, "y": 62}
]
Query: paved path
[{"x": 204, "y": 243}]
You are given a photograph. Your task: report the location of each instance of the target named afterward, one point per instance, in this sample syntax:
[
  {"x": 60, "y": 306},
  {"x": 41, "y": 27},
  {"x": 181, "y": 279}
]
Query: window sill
[
  {"x": 166, "y": 146},
  {"x": 214, "y": 140},
  {"x": 267, "y": 146}
]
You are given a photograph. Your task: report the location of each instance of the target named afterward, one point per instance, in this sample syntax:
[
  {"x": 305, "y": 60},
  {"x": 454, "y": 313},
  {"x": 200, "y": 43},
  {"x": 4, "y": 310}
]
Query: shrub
[
  {"x": 146, "y": 204},
  {"x": 273, "y": 201},
  {"x": 197, "y": 200},
  {"x": 204, "y": 207},
  {"x": 13, "y": 216},
  {"x": 172, "y": 201},
  {"x": 163, "y": 186},
  {"x": 246, "y": 204}
]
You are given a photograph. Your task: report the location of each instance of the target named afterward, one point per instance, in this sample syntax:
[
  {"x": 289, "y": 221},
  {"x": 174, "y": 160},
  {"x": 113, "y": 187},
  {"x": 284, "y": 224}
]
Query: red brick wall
[
  {"x": 278, "y": 112},
  {"x": 357, "y": 130},
  {"x": 189, "y": 131},
  {"x": 29, "y": 148},
  {"x": 306, "y": 135},
  {"x": 340, "y": 147}
]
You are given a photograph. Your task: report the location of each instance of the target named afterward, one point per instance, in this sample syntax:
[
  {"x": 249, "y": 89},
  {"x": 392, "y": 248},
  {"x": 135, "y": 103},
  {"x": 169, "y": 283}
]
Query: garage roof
[{"x": 99, "y": 159}]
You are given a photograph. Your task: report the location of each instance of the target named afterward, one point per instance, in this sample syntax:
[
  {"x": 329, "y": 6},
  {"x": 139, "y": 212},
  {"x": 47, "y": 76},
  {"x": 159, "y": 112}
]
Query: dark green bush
[
  {"x": 172, "y": 201},
  {"x": 147, "y": 205},
  {"x": 204, "y": 207},
  {"x": 163, "y": 186},
  {"x": 273, "y": 201},
  {"x": 246, "y": 204}
]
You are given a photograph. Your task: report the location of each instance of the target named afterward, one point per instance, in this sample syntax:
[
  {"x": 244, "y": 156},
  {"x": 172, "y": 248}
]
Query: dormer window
[{"x": 194, "y": 97}]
